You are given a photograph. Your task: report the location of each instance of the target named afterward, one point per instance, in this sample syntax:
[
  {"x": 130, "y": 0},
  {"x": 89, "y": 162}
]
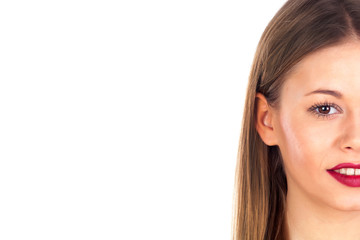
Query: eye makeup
[{"x": 325, "y": 110}]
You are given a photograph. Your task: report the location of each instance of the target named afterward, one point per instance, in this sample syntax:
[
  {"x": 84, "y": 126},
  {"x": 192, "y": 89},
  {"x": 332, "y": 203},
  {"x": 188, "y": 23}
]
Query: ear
[{"x": 264, "y": 120}]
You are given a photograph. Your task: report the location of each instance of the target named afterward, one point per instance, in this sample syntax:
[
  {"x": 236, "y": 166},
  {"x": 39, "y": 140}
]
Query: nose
[{"x": 351, "y": 135}]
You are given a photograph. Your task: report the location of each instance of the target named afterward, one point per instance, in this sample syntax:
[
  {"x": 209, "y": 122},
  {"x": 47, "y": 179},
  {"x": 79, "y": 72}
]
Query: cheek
[{"x": 304, "y": 147}]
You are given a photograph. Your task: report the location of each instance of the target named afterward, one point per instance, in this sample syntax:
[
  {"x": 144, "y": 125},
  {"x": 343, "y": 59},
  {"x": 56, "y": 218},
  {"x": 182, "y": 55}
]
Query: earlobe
[{"x": 264, "y": 125}]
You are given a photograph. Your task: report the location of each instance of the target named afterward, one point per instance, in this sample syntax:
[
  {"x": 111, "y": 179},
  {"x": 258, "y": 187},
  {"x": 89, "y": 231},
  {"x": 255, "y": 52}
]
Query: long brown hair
[{"x": 300, "y": 27}]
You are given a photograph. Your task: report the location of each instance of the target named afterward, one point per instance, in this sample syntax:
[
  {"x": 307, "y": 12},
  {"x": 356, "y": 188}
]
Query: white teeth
[{"x": 348, "y": 171}]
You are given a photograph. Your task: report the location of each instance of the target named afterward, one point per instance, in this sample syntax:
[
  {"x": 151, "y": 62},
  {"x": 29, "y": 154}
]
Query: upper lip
[{"x": 345, "y": 165}]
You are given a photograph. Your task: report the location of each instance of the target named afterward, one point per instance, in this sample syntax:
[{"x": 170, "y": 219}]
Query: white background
[{"x": 121, "y": 119}]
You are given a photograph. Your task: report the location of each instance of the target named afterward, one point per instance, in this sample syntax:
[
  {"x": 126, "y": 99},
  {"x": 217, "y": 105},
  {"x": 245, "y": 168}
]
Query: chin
[{"x": 351, "y": 203}]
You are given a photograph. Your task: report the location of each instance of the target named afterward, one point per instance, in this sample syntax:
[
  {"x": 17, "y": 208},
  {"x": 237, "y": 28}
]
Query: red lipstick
[
  {"x": 348, "y": 180},
  {"x": 345, "y": 165}
]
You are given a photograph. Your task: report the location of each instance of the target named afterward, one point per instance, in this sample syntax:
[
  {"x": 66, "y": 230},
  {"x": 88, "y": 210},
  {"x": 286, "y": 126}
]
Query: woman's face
[{"x": 316, "y": 131}]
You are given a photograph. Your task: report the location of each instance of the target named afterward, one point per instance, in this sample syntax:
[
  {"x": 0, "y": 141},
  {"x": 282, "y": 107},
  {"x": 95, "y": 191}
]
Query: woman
[{"x": 299, "y": 153}]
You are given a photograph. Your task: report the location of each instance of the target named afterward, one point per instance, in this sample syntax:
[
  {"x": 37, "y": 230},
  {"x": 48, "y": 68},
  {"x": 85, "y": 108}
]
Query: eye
[{"x": 325, "y": 110}]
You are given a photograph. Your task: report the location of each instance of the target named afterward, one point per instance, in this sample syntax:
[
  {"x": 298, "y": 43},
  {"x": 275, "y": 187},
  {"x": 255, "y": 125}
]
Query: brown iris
[{"x": 324, "y": 109}]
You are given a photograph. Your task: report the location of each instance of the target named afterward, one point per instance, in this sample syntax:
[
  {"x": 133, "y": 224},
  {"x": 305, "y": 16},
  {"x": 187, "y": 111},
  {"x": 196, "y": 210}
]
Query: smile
[
  {"x": 347, "y": 174},
  {"x": 348, "y": 171}
]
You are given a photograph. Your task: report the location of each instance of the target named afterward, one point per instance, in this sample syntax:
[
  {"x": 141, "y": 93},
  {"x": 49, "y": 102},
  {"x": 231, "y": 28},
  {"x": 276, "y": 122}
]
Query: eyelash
[{"x": 316, "y": 106}]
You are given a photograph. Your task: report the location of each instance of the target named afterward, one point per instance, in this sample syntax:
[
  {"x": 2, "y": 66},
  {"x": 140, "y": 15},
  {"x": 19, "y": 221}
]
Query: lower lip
[{"x": 351, "y": 181}]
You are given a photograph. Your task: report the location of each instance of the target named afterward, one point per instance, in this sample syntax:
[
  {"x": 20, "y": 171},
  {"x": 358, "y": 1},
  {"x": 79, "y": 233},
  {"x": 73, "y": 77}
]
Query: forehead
[{"x": 336, "y": 67}]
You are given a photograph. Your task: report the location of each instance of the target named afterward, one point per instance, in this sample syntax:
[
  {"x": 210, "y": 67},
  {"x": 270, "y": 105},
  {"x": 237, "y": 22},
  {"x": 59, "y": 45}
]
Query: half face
[{"x": 318, "y": 125}]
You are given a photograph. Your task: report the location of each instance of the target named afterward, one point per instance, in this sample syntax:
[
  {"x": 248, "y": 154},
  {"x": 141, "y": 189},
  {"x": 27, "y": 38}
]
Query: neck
[{"x": 308, "y": 219}]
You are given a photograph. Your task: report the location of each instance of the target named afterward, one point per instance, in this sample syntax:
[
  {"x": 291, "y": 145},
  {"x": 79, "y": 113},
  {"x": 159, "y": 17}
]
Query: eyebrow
[{"x": 334, "y": 93}]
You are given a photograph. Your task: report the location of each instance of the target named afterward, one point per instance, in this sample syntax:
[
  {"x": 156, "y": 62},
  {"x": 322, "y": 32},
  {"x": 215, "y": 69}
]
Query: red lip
[
  {"x": 345, "y": 165},
  {"x": 351, "y": 181}
]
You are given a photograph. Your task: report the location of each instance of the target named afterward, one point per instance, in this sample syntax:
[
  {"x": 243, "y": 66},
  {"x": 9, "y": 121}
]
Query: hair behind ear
[{"x": 298, "y": 28}]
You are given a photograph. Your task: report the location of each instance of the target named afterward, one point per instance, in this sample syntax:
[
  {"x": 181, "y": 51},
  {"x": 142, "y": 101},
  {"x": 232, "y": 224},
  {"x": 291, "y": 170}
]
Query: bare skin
[{"x": 313, "y": 139}]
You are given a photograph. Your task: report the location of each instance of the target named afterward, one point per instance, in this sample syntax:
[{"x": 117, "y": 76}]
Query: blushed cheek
[
  {"x": 309, "y": 147},
  {"x": 298, "y": 146}
]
